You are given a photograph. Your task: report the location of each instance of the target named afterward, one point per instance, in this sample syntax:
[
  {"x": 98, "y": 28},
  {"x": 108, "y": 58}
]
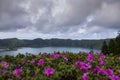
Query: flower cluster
[
  {"x": 55, "y": 55},
  {"x": 4, "y": 64},
  {"x": 40, "y": 62},
  {"x": 17, "y": 72},
  {"x": 49, "y": 71},
  {"x": 82, "y": 65},
  {"x": 60, "y": 66}
]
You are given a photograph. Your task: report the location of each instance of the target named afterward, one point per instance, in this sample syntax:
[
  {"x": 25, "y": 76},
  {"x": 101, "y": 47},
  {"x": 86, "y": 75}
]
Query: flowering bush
[
  {"x": 49, "y": 71},
  {"x": 60, "y": 66},
  {"x": 40, "y": 62}
]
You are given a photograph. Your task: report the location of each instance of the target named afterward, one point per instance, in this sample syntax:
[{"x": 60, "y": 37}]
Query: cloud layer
[{"x": 60, "y": 17}]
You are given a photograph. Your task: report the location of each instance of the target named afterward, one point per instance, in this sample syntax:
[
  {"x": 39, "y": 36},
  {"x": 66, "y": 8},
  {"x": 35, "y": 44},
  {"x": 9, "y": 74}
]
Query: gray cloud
[
  {"x": 108, "y": 16},
  {"x": 60, "y": 16},
  {"x": 12, "y": 15}
]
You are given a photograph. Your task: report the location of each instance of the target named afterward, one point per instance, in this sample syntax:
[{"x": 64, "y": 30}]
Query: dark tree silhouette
[
  {"x": 112, "y": 46},
  {"x": 105, "y": 48}
]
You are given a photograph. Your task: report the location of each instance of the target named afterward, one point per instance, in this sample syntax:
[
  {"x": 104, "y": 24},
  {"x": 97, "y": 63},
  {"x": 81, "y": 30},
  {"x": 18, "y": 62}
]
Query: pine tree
[
  {"x": 112, "y": 46},
  {"x": 117, "y": 40},
  {"x": 105, "y": 48}
]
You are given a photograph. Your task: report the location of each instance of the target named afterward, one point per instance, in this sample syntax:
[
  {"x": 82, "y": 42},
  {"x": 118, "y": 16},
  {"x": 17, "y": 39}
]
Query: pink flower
[
  {"x": 101, "y": 62},
  {"x": 4, "y": 71},
  {"x": 88, "y": 65},
  {"x": 102, "y": 55},
  {"x": 99, "y": 70},
  {"x": 77, "y": 64},
  {"x": 4, "y": 63},
  {"x": 90, "y": 57},
  {"x": 40, "y": 62},
  {"x": 84, "y": 66},
  {"x": 55, "y": 55},
  {"x": 17, "y": 72},
  {"x": 84, "y": 77},
  {"x": 114, "y": 77},
  {"x": 109, "y": 72},
  {"x": 95, "y": 69},
  {"x": 119, "y": 71},
  {"x": 33, "y": 62},
  {"x": 65, "y": 59},
  {"x": 49, "y": 71}
]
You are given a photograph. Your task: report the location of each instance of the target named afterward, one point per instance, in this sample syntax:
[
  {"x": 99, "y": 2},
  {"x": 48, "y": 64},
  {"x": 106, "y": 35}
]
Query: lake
[{"x": 45, "y": 49}]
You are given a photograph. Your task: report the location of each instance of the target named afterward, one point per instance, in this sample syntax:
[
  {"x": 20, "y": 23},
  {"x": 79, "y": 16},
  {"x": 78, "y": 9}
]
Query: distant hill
[{"x": 15, "y": 43}]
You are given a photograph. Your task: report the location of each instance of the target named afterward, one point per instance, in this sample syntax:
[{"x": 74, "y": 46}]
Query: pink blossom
[
  {"x": 109, "y": 72},
  {"x": 55, "y": 55},
  {"x": 101, "y": 62},
  {"x": 114, "y": 77},
  {"x": 90, "y": 57},
  {"x": 84, "y": 66},
  {"x": 77, "y": 63},
  {"x": 49, "y": 71},
  {"x": 99, "y": 70},
  {"x": 40, "y": 62},
  {"x": 102, "y": 55},
  {"x": 96, "y": 69},
  {"x": 33, "y": 62},
  {"x": 65, "y": 59},
  {"x": 88, "y": 65},
  {"x": 119, "y": 71},
  {"x": 4, "y": 63},
  {"x": 4, "y": 71},
  {"x": 84, "y": 77},
  {"x": 17, "y": 72}
]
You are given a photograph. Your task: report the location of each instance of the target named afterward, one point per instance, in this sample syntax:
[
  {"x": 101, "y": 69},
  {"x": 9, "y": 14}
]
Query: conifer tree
[
  {"x": 117, "y": 47},
  {"x": 112, "y": 46},
  {"x": 105, "y": 48}
]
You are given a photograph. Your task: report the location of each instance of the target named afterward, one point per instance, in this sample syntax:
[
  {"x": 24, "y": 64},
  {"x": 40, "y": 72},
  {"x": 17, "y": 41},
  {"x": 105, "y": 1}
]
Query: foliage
[
  {"x": 117, "y": 40},
  {"x": 60, "y": 66},
  {"x": 105, "y": 48},
  {"x": 112, "y": 47},
  {"x": 15, "y": 43}
]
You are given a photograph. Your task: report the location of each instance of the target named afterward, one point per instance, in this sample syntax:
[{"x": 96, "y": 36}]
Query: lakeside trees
[
  {"x": 105, "y": 48},
  {"x": 15, "y": 43},
  {"x": 113, "y": 46}
]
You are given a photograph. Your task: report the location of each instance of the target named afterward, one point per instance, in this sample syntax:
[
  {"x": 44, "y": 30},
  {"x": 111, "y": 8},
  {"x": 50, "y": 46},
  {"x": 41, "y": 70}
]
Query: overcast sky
[{"x": 74, "y": 19}]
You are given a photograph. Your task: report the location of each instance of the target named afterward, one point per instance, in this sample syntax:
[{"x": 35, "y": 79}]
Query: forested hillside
[{"x": 15, "y": 43}]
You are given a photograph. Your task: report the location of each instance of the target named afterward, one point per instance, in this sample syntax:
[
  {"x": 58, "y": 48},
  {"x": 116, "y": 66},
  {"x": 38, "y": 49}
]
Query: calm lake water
[{"x": 45, "y": 49}]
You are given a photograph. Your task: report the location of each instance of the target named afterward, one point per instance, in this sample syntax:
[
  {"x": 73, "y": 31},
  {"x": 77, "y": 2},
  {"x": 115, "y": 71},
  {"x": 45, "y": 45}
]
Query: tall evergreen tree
[
  {"x": 105, "y": 48},
  {"x": 117, "y": 40},
  {"x": 112, "y": 46}
]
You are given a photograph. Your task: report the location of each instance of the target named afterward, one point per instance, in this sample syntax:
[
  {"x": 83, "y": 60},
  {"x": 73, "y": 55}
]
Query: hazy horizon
[
  {"x": 64, "y": 19},
  {"x": 56, "y": 38}
]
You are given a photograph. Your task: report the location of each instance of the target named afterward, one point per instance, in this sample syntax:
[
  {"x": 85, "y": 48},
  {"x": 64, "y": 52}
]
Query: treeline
[
  {"x": 112, "y": 47},
  {"x": 15, "y": 43}
]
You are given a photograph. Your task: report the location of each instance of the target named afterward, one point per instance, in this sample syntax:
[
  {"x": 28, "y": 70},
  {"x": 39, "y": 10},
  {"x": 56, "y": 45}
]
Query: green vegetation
[
  {"x": 60, "y": 66},
  {"x": 113, "y": 46},
  {"x": 105, "y": 48},
  {"x": 16, "y": 43}
]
